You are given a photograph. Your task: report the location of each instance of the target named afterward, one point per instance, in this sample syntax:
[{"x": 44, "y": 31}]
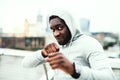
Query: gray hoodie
[{"x": 86, "y": 52}]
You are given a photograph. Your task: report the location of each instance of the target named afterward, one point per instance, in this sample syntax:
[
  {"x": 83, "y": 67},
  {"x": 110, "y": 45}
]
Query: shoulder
[
  {"x": 89, "y": 44},
  {"x": 88, "y": 41}
]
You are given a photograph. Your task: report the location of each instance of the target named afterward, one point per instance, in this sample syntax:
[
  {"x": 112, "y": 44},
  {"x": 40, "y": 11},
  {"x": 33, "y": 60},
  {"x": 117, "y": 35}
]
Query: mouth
[{"x": 59, "y": 39}]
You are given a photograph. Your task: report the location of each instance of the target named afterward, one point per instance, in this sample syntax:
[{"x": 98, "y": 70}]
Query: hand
[
  {"x": 50, "y": 48},
  {"x": 58, "y": 61}
]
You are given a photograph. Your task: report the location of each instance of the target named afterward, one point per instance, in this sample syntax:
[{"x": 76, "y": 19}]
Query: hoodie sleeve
[
  {"x": 99, "y": 69},
  {"x": 32, "y": 60}
]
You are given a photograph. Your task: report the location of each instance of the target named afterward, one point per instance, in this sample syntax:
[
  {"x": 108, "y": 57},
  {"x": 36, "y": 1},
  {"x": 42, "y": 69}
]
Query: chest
[{"x": 76, "y": 54}]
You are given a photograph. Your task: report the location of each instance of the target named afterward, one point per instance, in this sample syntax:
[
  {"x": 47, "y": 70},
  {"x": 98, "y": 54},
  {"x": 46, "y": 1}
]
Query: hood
[{"x": 70, "y": 21}]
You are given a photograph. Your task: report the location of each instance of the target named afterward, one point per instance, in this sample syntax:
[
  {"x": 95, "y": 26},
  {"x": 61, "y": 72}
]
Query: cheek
[
  {"x": 68, "y": 35},
  {"x": 65, "y": 32}
]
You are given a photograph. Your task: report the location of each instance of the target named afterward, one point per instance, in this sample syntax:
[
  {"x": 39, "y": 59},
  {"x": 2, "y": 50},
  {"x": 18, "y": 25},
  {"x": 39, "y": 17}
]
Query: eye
[
  {"x": 59, "y": 27},
  {"x": 53, "y": 30}
]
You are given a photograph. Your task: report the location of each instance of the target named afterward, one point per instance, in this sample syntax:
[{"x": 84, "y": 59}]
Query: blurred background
[{"x": 24, "y": 28}]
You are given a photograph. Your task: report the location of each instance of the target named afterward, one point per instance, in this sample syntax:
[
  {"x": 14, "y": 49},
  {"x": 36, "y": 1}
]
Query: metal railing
[{"x": 19, "y": 55}]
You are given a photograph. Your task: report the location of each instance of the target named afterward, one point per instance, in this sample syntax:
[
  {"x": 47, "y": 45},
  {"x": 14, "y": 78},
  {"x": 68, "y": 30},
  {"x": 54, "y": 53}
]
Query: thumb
[
  {"x": 47, "y": 59},
  {"x": 44, "y": 53}
]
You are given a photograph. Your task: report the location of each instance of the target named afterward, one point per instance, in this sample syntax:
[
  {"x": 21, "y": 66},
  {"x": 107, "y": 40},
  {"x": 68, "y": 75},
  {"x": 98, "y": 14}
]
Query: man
[{"x": 79, "y": 57}]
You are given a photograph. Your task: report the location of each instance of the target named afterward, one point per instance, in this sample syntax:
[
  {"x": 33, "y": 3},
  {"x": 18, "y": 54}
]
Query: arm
[
  {"x": 99, "y": 68},
  {"x": 34, "y": 59},
  {"x": 58, "y": 61}
]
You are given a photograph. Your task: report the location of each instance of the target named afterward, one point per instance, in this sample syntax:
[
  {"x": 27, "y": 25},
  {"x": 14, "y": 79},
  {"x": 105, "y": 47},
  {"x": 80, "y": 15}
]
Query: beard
[{"x": 63, "y": 42}]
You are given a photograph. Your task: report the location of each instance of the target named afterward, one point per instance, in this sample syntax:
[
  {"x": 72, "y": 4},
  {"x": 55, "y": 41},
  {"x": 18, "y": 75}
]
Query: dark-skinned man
[{"x": 77, "y": 57}]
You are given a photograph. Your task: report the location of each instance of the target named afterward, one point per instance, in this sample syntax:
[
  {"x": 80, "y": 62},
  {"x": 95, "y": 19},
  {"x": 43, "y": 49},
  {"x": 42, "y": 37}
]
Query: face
[{"x": 60, "y": 31}]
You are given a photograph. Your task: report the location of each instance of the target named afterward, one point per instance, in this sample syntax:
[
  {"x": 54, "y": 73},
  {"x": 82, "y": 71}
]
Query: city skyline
[{"x": 103, "y": 14}]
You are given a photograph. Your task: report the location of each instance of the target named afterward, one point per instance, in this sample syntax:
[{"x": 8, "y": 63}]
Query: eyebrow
[{"x": 55, "y": 26}]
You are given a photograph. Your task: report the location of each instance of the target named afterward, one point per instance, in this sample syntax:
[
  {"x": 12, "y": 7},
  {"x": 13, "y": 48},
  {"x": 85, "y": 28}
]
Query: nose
[{"x": 56, "y": 33}]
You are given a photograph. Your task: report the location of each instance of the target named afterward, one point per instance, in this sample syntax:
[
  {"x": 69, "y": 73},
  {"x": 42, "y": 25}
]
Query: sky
[{"x": 104, "y": 15}]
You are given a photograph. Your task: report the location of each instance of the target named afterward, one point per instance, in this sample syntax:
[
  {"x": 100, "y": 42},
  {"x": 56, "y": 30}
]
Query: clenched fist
[
  {"x": 50, "y": 48},
  {"x": 58, "y": 61}
]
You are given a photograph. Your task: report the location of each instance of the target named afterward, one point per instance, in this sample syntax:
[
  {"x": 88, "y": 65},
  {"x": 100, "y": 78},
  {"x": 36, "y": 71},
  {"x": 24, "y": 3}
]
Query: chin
[{"x": 61, "y": 43}]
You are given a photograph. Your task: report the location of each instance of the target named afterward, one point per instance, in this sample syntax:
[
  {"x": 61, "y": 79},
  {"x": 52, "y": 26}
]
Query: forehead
[{"x": 55, "y": 21}]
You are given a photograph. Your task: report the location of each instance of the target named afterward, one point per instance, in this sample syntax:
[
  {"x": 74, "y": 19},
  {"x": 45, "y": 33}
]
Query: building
[{"x": 85, "y": 26}]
